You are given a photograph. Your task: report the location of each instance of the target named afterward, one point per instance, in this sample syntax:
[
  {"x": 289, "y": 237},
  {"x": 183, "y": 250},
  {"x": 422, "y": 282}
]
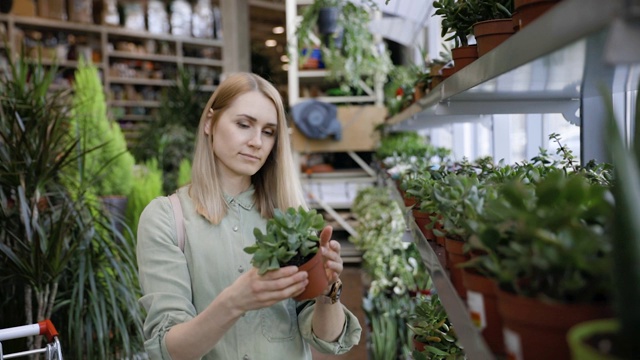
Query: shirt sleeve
[
  {"x": 164, "y": 276},
  {"x": 349, "y": 336}
]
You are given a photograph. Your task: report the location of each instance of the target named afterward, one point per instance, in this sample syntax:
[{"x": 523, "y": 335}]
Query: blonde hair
[{"x": 276, "y": 184}]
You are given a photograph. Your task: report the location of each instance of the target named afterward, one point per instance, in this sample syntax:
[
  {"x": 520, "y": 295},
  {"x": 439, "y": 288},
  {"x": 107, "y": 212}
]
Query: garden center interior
[{"x": 477, "y": 159}]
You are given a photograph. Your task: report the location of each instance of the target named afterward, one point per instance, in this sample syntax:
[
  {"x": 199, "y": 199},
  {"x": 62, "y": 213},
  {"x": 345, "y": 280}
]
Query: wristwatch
[{"x": 334, "y": 293}]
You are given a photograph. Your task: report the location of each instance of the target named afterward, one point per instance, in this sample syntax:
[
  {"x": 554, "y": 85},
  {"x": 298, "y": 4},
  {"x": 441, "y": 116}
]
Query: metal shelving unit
[{"x": 556, "y": 64}]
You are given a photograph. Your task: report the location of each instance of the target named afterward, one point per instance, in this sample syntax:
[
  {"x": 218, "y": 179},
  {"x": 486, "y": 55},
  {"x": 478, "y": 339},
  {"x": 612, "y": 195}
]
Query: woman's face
[{"x": 245, "y": 135}]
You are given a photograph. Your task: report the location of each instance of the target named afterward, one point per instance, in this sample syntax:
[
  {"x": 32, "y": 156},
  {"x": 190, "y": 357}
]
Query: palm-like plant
[{"x": 61, "y": 258}]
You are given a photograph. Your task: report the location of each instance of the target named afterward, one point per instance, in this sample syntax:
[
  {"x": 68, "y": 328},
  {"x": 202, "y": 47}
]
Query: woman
[{"x": 208, "y": 301}]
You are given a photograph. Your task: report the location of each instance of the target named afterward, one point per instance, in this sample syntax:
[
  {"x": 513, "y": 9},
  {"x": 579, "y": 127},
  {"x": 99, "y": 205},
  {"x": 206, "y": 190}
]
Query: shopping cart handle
[{"x": 47, "y": 329}]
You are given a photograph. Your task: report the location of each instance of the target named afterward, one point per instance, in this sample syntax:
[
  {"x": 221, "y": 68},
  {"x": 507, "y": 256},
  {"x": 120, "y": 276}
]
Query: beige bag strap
[{"x": 177, "y": 215}]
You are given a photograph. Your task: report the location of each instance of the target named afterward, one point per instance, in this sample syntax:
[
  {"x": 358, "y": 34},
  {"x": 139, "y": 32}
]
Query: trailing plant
[
  {"x": 356, "y": 56},
  {"x": 291, "y": 238},
  {"x": 406, "y": 143}
]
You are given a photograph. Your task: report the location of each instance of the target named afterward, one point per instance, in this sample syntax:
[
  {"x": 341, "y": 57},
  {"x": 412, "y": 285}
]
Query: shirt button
[
  {"x": 240, "y": 269},
  {"x": 246, "y": 357},
  {"x": 235, "y": 228}
]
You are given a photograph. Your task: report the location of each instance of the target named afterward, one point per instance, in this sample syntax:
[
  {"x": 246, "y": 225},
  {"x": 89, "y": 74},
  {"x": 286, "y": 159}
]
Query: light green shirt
[{"x": 178, "y": 285}]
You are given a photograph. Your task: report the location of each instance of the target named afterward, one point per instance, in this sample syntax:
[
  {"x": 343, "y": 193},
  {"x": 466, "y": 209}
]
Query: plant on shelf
[
  {"x": 547, "y": 239},
  {"x": 351, "y": 54},
  {"x": 491, "y": 9},
  {"x": 433, "y": 334},
  {"x": 291, "y": 238},
  {"x": 457, "y": 20}
]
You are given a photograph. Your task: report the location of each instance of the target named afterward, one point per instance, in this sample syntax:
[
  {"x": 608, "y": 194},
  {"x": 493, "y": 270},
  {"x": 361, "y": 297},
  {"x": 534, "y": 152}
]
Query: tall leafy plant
[
  {"x": 109, "y": 165},
  {"x": 38, "y": 217},
  {"x": 170, "y": 138},
  {"x": 626, "y": 233}
]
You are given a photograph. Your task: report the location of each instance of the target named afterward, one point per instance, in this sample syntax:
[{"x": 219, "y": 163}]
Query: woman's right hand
[{"x": 252, "y": 291}]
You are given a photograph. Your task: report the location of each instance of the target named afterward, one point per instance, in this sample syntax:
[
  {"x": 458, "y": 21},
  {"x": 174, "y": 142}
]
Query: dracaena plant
[{"x": 291, "y": 238}]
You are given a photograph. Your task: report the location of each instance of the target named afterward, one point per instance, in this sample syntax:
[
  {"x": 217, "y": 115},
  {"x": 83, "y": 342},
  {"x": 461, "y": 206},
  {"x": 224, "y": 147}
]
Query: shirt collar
[{"x": 244, "y": 199}]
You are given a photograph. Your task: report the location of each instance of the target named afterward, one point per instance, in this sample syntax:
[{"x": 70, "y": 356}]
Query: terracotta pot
[
  {"x": 526, "y": 11},
  {"x": 491, "y": 33},
  {"x": 440, "y": 239},
  {"x": 455, "y": 256},
  {"x": 317, "y": 278},
  {"x": 482, "y": 304},
  {"x": 446, "y": 72},
  {"x": 409, "y": 200},
  {"x": 435, "y": 81},
  {"x": 538, "y": 330},
  {"x": 423, "y": 219},
  {"x": 464, "y": 55}
]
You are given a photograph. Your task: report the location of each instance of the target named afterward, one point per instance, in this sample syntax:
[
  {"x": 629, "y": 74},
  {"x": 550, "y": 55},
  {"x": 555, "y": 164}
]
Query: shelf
[
  {"x": 141, "y": 81},
  {"x": 201, "y": 62},
  {"x": 131, "y": 117},
  {"x": 468, "y": 334},
  {"x": 44, "y": 23},
  {"x": 128, "y": 33},
  {"x": 540, "y": 69},
  {"x": 135, "y": 103},
  {"x": 138, "y": 56}
]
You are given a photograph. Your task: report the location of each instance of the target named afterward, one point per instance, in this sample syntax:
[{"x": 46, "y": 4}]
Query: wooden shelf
[{"x": 135, "y": 103}]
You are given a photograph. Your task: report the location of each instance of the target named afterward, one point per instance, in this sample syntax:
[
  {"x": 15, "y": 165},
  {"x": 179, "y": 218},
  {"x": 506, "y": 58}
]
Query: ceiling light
[
  {"x": 284, "y": 58},
  {"x": 270, "y": 43},
  {"x": 278, "y": 30},
  {"x": 285, "y": 67}
]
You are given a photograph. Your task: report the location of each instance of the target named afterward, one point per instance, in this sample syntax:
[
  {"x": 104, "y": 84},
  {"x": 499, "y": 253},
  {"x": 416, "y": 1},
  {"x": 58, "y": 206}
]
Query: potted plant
[
  {"x": 434, "y": 336},
  {"x": 353, "y": 55},
  {"x": 109, "y": 164},
  {"x": 546, "y": 247},
  {"x": 618, "y": 334},
  {"x": 61, "y": 258},
  {"x": 291, "y": 238},
  {"x": 494, "y": 24},
  {"x": 457, "y": 22}
]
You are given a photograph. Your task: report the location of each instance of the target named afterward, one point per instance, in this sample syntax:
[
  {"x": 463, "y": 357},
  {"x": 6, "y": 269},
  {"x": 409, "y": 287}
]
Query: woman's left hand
[{"x": 331, "y": 254}]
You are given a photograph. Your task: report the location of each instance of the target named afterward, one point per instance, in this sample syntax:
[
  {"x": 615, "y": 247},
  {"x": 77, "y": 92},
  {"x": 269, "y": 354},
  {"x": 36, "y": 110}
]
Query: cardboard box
[
  {"x": 24, "y": 8},
  {"x": 358, "y": 131},
  {"x": 53, "y": 9}
]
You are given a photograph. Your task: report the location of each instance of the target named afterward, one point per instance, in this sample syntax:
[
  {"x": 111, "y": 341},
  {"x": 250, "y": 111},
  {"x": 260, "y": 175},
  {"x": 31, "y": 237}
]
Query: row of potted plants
[{"x": 536, "y": 232}]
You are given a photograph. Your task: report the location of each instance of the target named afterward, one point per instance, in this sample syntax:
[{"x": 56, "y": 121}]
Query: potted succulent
[
  {"x": 619, "y": 334},
  {"x": 434, "y": 336},
  {"x": 546, "y": 247},
  {"x": 291, "y": 238}
]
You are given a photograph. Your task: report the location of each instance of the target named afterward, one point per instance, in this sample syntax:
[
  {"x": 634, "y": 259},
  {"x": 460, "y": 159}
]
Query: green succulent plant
[
  {"x": 431, "y": 326},
  {"x": 291, "y": 238}
]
